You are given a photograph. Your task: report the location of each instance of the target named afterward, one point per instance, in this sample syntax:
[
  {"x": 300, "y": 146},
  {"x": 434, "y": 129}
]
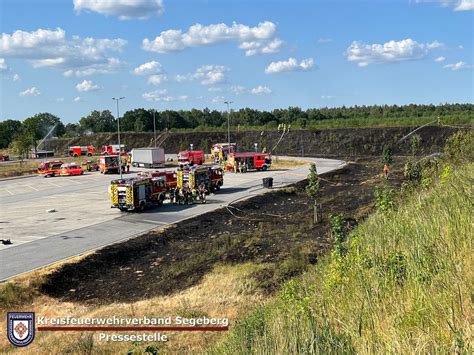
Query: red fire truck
[
  {"x": 219, "y": 151},
  {"x": 192, "y": 157},
  {"x": 253, "y": 161},
  {"x": 169, "y": 176},
  {"x": 113, "y": 149},
  {"x": 50, "y": 168},
  {"x": 211, "y": 177},
  {"x": 137, "y": 193},
  {"x": 78, "y": 150}
]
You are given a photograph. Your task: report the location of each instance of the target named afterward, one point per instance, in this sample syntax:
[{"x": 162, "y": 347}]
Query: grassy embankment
[{"x": 401, "y": 283}]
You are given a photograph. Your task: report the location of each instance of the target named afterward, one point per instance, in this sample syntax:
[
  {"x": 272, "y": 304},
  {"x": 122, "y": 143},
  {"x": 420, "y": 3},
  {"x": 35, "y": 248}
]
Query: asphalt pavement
[{"x": 41, "y": 238}]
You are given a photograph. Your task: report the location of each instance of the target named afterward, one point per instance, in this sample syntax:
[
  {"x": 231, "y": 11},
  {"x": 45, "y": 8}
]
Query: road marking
[
  {"x": 52, "y": 183},
  {"x": 11, "y": 193},
  {"x": 31, "y": 187}
]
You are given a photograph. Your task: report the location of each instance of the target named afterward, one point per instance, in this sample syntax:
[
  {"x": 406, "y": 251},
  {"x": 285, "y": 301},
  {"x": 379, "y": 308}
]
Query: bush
[
  {"x": 460, "y": 147},
  {"x": 384, "y": 199}
]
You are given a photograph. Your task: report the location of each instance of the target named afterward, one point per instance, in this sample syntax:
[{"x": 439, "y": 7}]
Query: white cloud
[
  {"x": 289, "y": 65},
  {"x": 458, "y": 66},
  {"x": 392, "y": 51},
  {"x": 327, "y": 97},
  {"x": 50, "y": 48},
  {"x": 112, "y": 65},
  {"x": 461, "y": 46},
  {"x": 218, "y": 99},
  {"x": 3, "y": 65},
  {"x": 86, "y": 85},
  {"x": 238, "y": 89},
  {"x": 77, "y": 99},
  {"x": 214, "y": 89},
  {"x": 440, "y": 59},
  {"x": 259, "y": 90},
  {"x": 324, "y": 40},
  {"x": 157, "y": 79},
  {"x": 254, "y": 40},
  {"x": 464, "y": 5},
  {"x": 457, "y": 5},
  {"x": 162, "y": 95},
  {"x": 60, "y": 99},
  {"x": 16, "y": 77},
  {"x": 148, "y": 68},
  {"x": 207, "y": 74},
  {"x": 123, "y": 9},
  {"x": 33, "y": 91}
]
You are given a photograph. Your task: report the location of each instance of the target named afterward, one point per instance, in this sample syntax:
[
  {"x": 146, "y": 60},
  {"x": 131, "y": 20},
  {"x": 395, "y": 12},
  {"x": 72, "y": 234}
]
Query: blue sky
[{"x": 69, "y": 57}]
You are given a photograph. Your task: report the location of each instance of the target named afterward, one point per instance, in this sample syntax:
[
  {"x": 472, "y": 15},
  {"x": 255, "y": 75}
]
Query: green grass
[{"x": 403, "y": 286}]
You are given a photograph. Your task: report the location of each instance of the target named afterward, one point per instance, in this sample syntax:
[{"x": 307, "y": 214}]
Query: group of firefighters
[{"x": 187, "y": 196}]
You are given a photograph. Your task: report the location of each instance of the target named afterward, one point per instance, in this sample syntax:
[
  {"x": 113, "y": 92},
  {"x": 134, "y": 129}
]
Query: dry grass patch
[{"x": 228, "y": 291}]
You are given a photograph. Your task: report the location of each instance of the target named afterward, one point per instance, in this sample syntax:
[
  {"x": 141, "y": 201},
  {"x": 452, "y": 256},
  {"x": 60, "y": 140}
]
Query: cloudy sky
[{"x": 70, "y": 57}]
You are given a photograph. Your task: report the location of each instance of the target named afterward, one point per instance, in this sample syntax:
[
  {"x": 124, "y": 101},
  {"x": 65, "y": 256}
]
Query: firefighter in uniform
[{"x": 202, "y": 193}]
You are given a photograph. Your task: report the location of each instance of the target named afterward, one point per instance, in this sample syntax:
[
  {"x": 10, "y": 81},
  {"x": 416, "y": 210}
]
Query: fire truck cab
[
  {"x": 196, "y": 157},
  {"x": 49, "y": 168},
  {"x": 169, "y": 176},
  {"x": 137, "y": 193},
  {"x": 253, "y": 161}
]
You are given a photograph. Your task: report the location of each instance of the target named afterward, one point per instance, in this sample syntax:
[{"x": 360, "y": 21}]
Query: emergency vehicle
[
  {"x": 112, "y": 149},
  {"x": 211, "y": 177},
  {"x": 197, "y": 157},
  {"x": 137, "y": 193},
  {"x": 71, "y": 169},
  {"x": 109, "y": 164},
  {"x": 50, "y": 168},
  {"x": 90, "y": 165},
  {"x": 253, "y": 161},
  {"x": 78, "y": 150},
  {"x": 219, "y": 151},
  {"x": 169, "y": 176}
]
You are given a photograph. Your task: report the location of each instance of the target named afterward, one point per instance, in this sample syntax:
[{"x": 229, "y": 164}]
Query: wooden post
[{"x": 316, "y": 219}]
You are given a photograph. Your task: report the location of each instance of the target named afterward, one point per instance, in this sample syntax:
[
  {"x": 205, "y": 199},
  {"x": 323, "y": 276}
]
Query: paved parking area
[{"x": 83, "y": 220}]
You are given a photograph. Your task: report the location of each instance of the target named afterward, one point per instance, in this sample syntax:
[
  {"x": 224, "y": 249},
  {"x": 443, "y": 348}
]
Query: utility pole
[
  {"x": 228, "y": 122},
  {"x": 154, "y": 127},
  {"x": 118, "y": 133}
]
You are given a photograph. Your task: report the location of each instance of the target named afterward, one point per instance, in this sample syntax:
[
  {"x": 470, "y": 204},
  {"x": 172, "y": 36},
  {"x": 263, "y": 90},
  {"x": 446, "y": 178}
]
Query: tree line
[{"x": 29, "y": 132}]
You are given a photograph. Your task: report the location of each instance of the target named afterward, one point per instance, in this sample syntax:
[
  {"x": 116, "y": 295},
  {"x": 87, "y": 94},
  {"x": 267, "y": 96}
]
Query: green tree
[
  {"x": 8, "y": 130},
  {"x": 22, "y": 143},
  {"x": 415, "y": 142},
  {"x": 42, "y": 124},
  {"x": 387, "y": 155},
  {"x": 98, "y": 122}
]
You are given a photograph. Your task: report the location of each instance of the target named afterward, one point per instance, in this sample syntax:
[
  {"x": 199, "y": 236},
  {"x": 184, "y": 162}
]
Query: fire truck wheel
[
  {"x": 264, "y": 168},
  {"x": 89, "y": 154},
  {"x": 75, "y": 155}
]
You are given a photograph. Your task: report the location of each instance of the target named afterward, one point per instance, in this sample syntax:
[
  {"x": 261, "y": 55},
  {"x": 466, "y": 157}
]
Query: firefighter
[
  {"x": 235, "y": 167},
  {"x": 202, "y": 193},
  {"x": 171, "y": 192},
  {"x": 176, "y": 195},
  {"x": 245, "y": 167},
  {"x": 181, "y": 196},
  {"x": 385, "y": 171},
  {"x": 193, "y": 195},
  {"x": 240, "y": 167}
]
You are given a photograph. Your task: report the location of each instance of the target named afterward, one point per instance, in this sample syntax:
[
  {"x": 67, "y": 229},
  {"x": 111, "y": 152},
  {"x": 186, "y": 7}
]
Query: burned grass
[{"x": 275, "y": 228}]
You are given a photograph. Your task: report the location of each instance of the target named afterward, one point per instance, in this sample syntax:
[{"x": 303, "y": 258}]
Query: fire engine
[
  {"x": 137, "y": 193},
  {"x": 112, "y": 149},
  {"x": 50, "y": 168},
  {"x": 169, "y": 176},
  {"x": 109, "y": 164},
  {"x": 192, "y": 156},
  {"x": 253, "y": 161},
  {"x": 211, "y": 177},
  {"x": 78, "y": 150},
  {"x": 219, "y": 151}
]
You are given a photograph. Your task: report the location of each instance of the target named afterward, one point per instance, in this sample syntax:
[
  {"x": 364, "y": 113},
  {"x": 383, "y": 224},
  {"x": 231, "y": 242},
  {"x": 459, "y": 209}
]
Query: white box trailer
[{"x": 148, "y": 157}]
